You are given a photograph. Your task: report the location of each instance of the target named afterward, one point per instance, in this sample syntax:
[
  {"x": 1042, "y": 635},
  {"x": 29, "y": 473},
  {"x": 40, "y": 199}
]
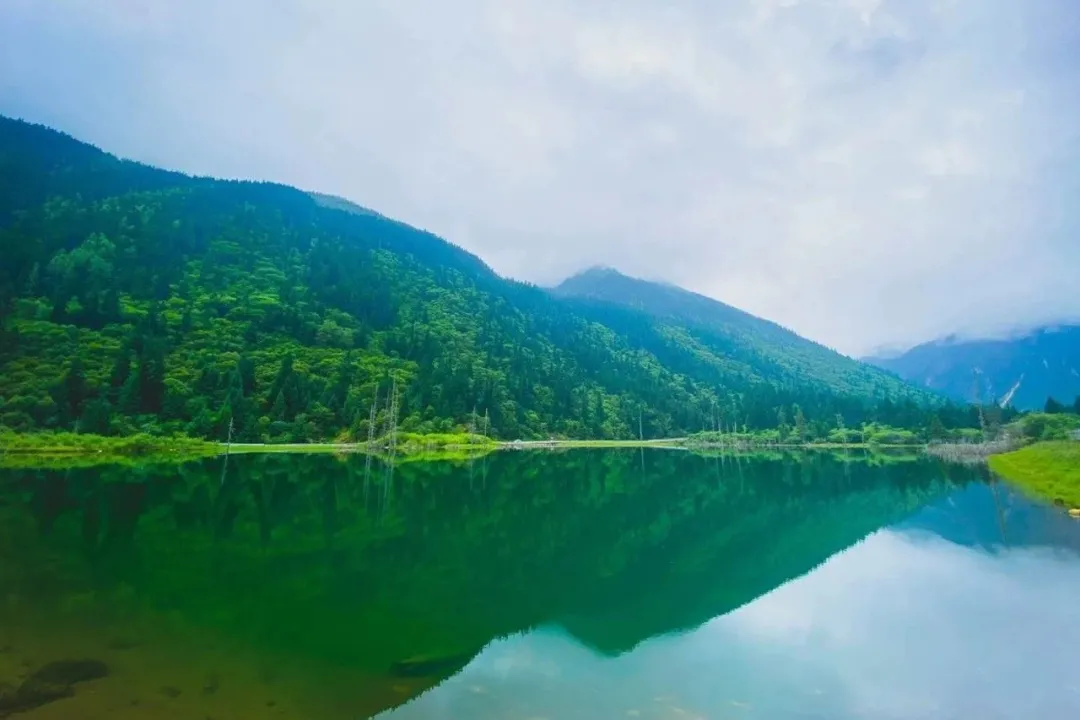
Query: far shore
[
  {"x": 1048, "y": 470},
  {"x": 680, "y": 443},
  {"x": 59, "y": 446}
]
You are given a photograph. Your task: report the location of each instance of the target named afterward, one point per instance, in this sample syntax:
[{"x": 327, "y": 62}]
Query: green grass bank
[{"x": 1049, "y": 470}]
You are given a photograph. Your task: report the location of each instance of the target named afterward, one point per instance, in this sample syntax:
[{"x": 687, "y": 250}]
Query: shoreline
[
  {"x": 1049, "y": 470},
  {"x": 28, "y": 449}
]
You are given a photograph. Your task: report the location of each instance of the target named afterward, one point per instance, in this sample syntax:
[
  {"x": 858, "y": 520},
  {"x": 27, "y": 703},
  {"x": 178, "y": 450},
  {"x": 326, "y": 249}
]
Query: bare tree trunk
[
  {"x": 228, "y": 447},
  {"x": 393, "y": 417},
  {"x": 371, "y": 417},
  {"x": 370, "y": 443},
  {"x": 391, "y": 446},
  {"x": 976, "y": 388}
]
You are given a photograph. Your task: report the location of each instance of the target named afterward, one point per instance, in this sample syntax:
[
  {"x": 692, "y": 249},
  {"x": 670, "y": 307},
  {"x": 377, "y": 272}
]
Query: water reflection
[
  {"x": 317, "y": 587},
  {"x": 906, "y": 624}
]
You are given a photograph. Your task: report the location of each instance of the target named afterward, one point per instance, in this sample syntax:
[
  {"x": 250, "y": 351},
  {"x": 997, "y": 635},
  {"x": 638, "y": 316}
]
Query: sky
[{"x": 869, "y": 173}]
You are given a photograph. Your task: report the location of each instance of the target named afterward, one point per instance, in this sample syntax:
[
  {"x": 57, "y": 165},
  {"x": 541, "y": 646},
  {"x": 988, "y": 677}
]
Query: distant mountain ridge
[
  {"x": 780, "y": 352},
  {"x": 662, "y": 299},
  {"x": 1023, "y": 371}
]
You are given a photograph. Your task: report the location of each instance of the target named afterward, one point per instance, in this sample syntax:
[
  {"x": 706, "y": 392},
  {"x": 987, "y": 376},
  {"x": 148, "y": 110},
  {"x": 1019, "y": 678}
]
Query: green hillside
[
  {"x": 761, "y": 347},
  {"x": 138, "y": 300}
]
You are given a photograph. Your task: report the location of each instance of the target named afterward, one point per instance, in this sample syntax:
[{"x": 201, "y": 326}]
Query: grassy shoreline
[
  {"x": 1047, "y": 470},
  {"x": 45, "y": 449},
  {"x": 80, "y": 443},
  {"x": 21, "y": 450},
  {"x": 27, "y": 448}
]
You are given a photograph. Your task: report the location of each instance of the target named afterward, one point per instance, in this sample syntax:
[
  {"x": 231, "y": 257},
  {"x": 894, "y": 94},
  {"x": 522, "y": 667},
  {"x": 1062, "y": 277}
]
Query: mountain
[
  {"x": 1023, "y": 371},
  {"x": 763, "y": 346},
  {"x": 134, "y": 299},
  {"x": 665, "y": 300}
]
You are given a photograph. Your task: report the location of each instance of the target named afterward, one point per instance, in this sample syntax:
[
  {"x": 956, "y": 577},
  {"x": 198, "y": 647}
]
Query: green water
[{"x": 584, "y": 584}]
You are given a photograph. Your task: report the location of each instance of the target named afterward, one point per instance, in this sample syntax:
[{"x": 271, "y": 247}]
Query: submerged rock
[
  {"x": 51, "y": 682},
  {"x": 34, "y": 693},
  {"x": 7, "y": 698},
  {"x": 31, "y": 694},
  {"x": 69, "y": 672}
]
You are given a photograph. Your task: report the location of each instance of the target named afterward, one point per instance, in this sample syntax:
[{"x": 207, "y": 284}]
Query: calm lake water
[{"x": 523, "y": 586}]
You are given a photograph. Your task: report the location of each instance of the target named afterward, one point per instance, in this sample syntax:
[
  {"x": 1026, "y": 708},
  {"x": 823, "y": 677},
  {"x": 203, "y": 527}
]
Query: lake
[{"x": 527, "y": 585}]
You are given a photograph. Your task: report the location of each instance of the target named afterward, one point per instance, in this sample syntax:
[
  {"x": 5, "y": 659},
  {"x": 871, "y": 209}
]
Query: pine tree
[
  {"x": 96, "y": 417},
  {"x": 152, "y": 376},
  {"x": 236, "y": 406},
  {"x": 800, "y": 423},
  {"x": 121, "y": 371},
  {"x": 278, "y": 411},
  {"x": 284, "y": 373},
  {"x": 129, "y": 399},
  {"x": 72, "y": 392},
  {"x": 936, "y": 430},
  {"x": 1053, "y": 406}
]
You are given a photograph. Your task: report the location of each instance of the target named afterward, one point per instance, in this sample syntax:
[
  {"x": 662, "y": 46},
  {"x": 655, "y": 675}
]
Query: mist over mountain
[{"x": 1023, "y": 370}]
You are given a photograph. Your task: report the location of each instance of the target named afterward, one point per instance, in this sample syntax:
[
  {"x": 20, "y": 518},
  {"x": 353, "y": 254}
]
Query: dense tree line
[
  {"x": 138, "y": 300},
  {"x": 1053, "y": 407}
]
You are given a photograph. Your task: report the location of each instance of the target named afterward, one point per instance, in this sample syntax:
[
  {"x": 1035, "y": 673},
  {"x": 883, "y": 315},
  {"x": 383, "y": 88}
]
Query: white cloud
[
  {"x": 898, "y": 626},
  {"x": 895, "y": 623},
  {"x": 864, "y": 171}
]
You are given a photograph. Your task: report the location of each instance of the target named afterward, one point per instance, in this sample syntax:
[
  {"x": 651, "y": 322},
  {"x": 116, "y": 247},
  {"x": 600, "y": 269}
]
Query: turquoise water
[{"x": 585, "y": 584}]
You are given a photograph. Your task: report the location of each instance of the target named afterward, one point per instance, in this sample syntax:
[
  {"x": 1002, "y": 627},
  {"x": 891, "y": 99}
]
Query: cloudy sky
[{"x": 867, "y": 172}]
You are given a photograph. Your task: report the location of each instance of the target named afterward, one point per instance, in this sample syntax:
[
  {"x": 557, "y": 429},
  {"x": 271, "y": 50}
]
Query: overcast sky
[{"x": 866, "y": 172}]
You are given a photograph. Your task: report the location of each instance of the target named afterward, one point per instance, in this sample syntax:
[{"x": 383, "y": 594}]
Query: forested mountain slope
[
  {"x": 1023, "y": 371},
  {"x": 774, "y": 351},
  {"x": 137, "y": 299}
]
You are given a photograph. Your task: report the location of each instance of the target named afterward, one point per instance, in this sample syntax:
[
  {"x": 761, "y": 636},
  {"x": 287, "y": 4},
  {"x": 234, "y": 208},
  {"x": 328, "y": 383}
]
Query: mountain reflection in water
[{"x": 312, "y": 586}]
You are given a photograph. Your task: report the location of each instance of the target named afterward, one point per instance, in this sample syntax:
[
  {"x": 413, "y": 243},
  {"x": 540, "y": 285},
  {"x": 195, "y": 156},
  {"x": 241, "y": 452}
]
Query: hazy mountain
[
  {"x": 1023, "y": 370},
  {"x": 775, "y": 351}
]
